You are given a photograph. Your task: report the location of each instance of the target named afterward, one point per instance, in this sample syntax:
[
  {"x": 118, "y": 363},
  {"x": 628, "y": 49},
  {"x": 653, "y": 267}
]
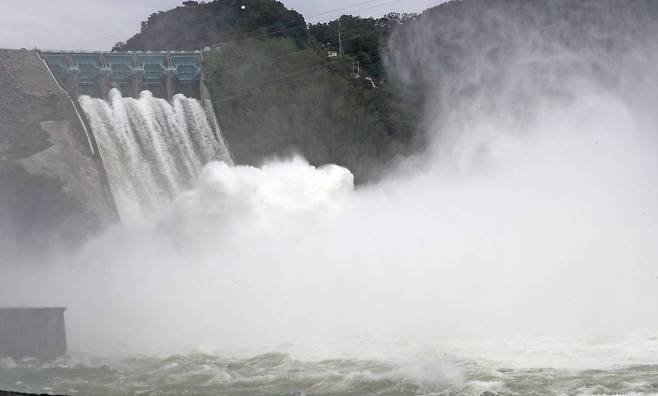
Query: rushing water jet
[{"x": 152, "y": 149}]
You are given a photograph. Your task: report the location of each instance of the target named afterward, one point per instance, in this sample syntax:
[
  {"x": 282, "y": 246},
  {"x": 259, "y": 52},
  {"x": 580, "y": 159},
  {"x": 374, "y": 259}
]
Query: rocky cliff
[{"x": 52, "y": 184}]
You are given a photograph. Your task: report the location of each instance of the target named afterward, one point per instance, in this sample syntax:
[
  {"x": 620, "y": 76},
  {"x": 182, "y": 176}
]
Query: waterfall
[{"x": 152, "y": 149}]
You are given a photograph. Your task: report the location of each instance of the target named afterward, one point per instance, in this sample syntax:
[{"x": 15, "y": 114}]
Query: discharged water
[{"x": 152, "y": 149}]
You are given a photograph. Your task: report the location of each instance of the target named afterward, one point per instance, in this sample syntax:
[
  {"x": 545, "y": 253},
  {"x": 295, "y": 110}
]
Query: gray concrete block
[{"x": 32, "y": 332}]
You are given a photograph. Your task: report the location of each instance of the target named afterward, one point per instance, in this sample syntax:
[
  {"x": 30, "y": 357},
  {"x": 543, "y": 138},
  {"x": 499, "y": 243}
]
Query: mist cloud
[{"x": 532, "y": 212}]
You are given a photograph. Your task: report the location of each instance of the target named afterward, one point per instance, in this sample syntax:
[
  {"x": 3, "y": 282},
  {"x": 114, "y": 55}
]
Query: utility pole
[
  {"x": 340, "y": 40},
  {"x": 356, "y": 69}
]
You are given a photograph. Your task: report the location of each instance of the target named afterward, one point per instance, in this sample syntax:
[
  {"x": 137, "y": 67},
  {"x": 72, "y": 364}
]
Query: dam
[
  {"x": 150, "y": 118},
  {"x": 90, "y": 138},
  {"x": 165, "y": 73}
]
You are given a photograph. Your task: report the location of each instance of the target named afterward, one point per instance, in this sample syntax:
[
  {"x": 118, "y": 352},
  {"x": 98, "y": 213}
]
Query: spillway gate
[{"x": 164, "y": 73}]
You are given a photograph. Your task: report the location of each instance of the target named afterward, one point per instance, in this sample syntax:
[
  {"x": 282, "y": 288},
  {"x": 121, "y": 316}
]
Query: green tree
[{"x": 195, "y": 26}]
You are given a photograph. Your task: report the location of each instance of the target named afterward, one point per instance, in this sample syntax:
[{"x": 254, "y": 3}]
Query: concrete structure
[
  {"x": 32, "y": 332},
  {"x": 53, "y": 190},
  {"x": 95, "y": 73}
]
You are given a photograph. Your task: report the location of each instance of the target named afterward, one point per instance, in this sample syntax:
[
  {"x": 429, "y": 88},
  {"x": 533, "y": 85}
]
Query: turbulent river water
[{"x": 604, "y": 366}]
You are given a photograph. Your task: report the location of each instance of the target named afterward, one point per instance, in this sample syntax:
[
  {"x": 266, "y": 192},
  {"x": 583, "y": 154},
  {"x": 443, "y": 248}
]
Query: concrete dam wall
[
  {"x": 53, "y": 188},
  {"x": 164, "y": 73}
]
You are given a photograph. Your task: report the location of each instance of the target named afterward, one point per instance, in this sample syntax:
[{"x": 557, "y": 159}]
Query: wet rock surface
[{"x": 52, "y": 189}]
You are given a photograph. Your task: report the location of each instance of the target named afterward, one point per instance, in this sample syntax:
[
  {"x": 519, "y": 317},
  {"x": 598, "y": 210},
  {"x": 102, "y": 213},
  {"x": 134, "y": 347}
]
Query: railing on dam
[{"x": 95, "y": 73}]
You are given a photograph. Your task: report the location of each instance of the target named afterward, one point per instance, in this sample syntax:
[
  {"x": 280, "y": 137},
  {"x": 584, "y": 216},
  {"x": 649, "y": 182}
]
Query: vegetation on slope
[
  {"x": 196, "y": 25},
  {"x": 364, "y": 38}
]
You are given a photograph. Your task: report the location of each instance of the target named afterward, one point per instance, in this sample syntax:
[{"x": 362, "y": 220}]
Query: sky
[{"x": 98, "y": 24}]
